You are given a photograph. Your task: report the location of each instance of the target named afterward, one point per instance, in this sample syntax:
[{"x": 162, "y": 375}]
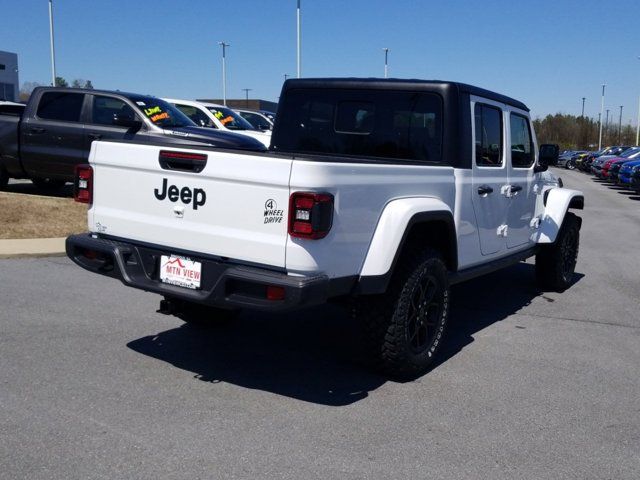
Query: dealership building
[{"x": 8, "y": 76}]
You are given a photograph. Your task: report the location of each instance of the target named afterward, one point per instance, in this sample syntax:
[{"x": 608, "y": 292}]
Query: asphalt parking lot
[{"x": 95, "y": 384}]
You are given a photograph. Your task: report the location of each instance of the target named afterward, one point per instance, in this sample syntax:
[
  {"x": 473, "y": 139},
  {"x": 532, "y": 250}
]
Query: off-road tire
[
  {"x": 48, "y": 184},
  {"x": 203, "y": 316},
  {"x": 401, "y": 340},
  {"x": 556, "y": 263}
]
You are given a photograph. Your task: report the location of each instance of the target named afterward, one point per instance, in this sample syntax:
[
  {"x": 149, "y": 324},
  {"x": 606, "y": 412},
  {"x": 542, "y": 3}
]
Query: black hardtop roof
[
  {"x": 398, "y": 83},
  {"x": 94, "y": 91}
]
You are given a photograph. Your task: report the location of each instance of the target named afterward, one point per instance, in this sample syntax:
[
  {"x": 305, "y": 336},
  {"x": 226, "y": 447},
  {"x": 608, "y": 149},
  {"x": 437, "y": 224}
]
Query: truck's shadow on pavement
[
  {"x": 29, "y": 188},
  {"x": 314, "y": 355}
]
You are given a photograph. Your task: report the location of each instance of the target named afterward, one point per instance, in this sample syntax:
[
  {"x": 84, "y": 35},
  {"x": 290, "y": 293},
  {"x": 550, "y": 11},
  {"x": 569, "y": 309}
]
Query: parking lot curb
[{"x": 32, "y": 247}]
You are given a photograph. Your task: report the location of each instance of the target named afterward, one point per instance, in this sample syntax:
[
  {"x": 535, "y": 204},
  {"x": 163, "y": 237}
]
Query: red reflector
[
  {"x": 90, "y": 254},
  {"x": 83, "y": 196},
  {"x": 275, "y": 293},
  {"x": 183, "y": 155},
  {"x": 302, "y": 227}
]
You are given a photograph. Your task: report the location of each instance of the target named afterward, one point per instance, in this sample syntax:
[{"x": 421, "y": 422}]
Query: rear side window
[
  {"x": 488, "y": 135},
  {"x": 61, "y": 106},
  {"x": 375, "y": 123},
  {"x": 521, "y": 144},
  {"x": 104, "y": 108}
]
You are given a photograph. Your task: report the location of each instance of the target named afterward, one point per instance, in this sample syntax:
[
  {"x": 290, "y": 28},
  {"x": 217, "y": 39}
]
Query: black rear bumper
[{"x": 223, "y": 284}]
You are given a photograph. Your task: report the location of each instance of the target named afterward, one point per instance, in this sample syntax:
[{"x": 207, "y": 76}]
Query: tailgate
[{"x": 236, "y": 207}]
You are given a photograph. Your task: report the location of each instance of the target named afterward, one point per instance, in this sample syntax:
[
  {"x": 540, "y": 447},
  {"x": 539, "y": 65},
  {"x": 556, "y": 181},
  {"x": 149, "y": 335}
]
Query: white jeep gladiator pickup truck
[{"x": 381, "y": 191}]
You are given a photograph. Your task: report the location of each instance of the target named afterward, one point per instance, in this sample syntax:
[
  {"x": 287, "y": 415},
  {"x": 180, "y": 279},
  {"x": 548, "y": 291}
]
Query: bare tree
[
  {"x": 27, "y": 88},
  {"x": 569, "y": 131}
]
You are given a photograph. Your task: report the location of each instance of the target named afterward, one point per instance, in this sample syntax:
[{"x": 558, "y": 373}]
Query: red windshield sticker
[{"x": 160, "y": 116}]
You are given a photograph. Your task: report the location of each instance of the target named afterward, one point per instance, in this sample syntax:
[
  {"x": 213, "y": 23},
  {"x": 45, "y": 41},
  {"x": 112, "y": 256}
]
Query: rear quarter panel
[{"x": 361, "y": 192}]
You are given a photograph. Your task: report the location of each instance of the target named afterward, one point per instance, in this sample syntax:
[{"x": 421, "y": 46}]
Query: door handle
[
  {"x": 484, "y": 190},
  {"x": 515, "y": 189},
  {"x": 182, "y": 161},
  {"x": 94, "y": 136},
  {"x": 36, "y": 130}
]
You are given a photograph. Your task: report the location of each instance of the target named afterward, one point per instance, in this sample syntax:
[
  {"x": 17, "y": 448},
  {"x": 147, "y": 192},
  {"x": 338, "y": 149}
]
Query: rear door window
[
  {"x": 376, "y": 123},
  {"x": 64, "y": 106},
  {"x": 488, "y": 135}
]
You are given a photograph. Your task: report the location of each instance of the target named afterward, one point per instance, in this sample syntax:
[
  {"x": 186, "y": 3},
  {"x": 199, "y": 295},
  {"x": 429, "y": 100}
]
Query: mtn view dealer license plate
[{"x": 180, "y": 271}]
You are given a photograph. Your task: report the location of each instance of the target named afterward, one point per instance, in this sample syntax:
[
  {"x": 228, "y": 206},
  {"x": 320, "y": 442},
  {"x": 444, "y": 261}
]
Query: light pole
[
  {"x": 601, "y": 114},
  {"x": 638, "y": 124},
  {"x": 606, "y": 127},
  {"x": 224, "y": 71},
  {"x": 386, "y": 62},
  {"x": 246, "y": 92},
  {"x": 53, "y": 50},
  {"x": 583, "y": 99},
  {"x": 299, "y": 41},
  {"x": 620, "y": 126}
]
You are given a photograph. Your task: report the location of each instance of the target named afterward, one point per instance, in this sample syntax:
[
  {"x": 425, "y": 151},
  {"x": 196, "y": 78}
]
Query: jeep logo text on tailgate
[{"x": 186, "y": 195}]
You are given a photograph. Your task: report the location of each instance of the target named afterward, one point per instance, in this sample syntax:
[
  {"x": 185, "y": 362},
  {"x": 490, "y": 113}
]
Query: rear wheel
[
  {"x": 404, "y": 327},
  {"x": 48, "y": 184},
  {"x": 571, "y": 165},
  {"x": 556, "y": 263}
]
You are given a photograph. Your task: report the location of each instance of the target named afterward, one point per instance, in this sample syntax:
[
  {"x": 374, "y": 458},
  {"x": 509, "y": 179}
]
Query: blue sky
[{"x": 548, "y": 54}]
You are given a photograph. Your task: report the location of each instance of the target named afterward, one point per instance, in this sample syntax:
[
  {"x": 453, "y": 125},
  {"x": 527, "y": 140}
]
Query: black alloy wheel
[{"x": 423, "y": 313}]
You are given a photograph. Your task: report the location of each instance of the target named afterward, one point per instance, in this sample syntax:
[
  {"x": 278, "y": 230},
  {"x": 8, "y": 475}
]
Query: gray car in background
[
  {"x": 260, "y": 119},
  {"x": 567, "y": 159}
]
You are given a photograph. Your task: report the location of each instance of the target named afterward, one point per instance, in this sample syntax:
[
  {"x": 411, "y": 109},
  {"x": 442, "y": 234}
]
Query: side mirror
[
  {"x": 264, "y": 127},
  {"x": 124, "y": 120},
  {"x": 548, "y": 156}
]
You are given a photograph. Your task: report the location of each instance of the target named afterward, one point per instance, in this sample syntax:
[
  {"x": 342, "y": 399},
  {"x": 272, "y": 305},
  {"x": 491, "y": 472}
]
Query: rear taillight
[
  {"x": 83, "y": 184},
  {"x": 310, "y": 214}
]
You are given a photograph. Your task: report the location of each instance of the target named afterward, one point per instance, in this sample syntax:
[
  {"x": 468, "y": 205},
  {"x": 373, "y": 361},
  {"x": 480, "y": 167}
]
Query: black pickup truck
[{"x": 54, "y": 133}]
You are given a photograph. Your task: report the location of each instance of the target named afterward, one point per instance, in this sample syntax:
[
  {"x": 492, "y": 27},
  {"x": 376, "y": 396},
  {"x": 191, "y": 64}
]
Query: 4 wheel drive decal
[
  {"x": 186, "y": 195},
  {"x": 271, "y": 212}
]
